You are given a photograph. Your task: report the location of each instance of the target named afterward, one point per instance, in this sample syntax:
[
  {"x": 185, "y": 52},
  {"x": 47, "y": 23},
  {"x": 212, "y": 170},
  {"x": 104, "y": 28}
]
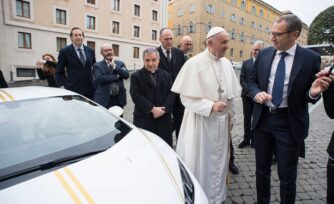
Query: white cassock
[{"x": 203, "y": 142}]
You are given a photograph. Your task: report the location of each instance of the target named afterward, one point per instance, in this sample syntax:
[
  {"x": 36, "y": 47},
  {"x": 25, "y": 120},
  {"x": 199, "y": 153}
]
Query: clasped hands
[
  {"x": 218, "y": 106},
  {"x": 158, "y": 111}
]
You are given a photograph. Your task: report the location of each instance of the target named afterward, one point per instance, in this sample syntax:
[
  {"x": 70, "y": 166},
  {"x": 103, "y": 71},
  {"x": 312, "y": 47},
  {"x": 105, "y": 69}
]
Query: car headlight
[{"x": 188, "y": 185}]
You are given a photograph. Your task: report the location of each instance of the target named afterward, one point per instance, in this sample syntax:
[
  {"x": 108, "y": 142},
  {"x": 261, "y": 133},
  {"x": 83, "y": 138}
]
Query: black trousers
[
  {"x": 330, "y": 181},
  {"x": 247, "y": 104},
  {"x": 273, "y": 131},
  {"x": 178, "y": 110}
]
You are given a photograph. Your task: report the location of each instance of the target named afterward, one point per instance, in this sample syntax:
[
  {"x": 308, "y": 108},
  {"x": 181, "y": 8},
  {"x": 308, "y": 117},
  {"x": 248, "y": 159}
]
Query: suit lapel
[
  {"x": 267, "y": 66},
  {"x": 296, "y": 66}
]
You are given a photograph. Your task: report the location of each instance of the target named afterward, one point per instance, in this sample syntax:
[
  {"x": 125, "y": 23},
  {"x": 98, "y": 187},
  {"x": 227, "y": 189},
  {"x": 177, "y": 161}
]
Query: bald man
[
  {"x": 186, "y": 45},
  {"x": 109, "y": 74}
]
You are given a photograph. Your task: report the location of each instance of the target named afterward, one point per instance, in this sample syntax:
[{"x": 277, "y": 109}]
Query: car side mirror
[{"x": 116, "y": 110}]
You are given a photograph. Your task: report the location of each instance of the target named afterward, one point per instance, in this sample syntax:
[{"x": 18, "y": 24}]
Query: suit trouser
[
  {"x": 273, "y": 131},
  {"x": 330, "y": 181},
  {"x": 247, "y": 104}
]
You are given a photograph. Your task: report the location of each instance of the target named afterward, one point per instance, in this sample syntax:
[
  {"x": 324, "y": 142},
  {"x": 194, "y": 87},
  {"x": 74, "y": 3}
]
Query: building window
[
  {"x": 253, "y": 10},
  {"x": 243, "y": 4},
  {"x": 115, "y": 48},
  {"x": 179, "y": 12},
  {"x": 61, "y": 42},
  {"x": 154, "y": 35},
  {"x": 234, "y": 2},
  {"x": 232, "y": 34},
  {"x": 261, "y": 13},
  {"x": 192, "y": 8},
  {"x": 91, "y": 2},
  {"x": 23, "y": 8},
  {"x": 136, "y": 52},
  {"x": 241, "y": 54},
  {"x": 91, "y": 44},
  {"x": 210, "y": 9},
  {"x": 60, "y": 16},
  {"x": 233, "y": 18},
  {"x": 191, "y": 27},
  {"x": 242, "y": 37},
  {"x": 136, "y": 31},
  {"x": 115, "y": 5},
  {"x": 253, "y": 25},
  {"x": 208, "y": 27},
  {"x": 136, "y": 10},
  {"x": 260, "y": 27},
  {"x": 179, "y": 30},
  {"x": 115, "y": 27},
  {"x": 222, "y": 14},
  {"x": 25, "y": 72},
  {"x": 154, "y": 15},
  {"x": 24, "y": 40},
  {"x": 90, "y": 22},
  {"x": 231, "y": 52},
  {"x": 242, "y": 21}
]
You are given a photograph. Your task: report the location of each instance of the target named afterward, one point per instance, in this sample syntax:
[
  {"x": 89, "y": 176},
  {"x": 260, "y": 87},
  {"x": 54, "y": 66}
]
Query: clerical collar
[
  {"x": 153, "y": 72},
  {"x": 212, "y": 56}
]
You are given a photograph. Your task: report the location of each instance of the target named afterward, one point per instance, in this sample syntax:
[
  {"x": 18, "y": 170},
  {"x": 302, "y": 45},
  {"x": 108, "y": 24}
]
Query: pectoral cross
[{"x": 220, "y": 91}]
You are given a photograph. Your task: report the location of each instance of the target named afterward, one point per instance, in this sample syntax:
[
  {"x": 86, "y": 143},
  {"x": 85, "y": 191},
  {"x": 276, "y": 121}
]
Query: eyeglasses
[{"x": 279, "y": 34}]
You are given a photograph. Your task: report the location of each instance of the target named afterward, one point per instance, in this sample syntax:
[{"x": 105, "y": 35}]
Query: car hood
[{"x": 135, "y": 170}]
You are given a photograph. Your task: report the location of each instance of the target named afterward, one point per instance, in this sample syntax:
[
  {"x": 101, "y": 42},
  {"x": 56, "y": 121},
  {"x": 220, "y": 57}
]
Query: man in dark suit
[
  {"x": 109, "y": 74},
  {"x": 326, "y": 79},
  {"x": 247, "y": 101},
  {"x": 281, "y": 86},
  {"x": 172, "y": 60},
  {"x": 150, "y": 90},
  {"x": 74, "y": 68},
  {"x": 3, "y": 83}
]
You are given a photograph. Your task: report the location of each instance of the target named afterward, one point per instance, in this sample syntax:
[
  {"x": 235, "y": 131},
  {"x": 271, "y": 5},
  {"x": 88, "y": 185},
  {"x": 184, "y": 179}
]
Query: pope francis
[{"x": 208, "y": 86}]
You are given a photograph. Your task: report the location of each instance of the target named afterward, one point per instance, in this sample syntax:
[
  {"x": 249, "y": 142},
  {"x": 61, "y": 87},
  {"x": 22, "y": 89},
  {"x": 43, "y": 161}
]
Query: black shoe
[
  {"x": 243, "y": 144},
  {"x": 234, "y": 169},
  {"x": 252, "y": 144}
]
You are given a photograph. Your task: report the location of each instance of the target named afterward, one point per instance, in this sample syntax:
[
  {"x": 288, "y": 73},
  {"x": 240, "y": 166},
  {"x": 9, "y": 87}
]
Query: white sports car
[{"x": 59, "y": 147}]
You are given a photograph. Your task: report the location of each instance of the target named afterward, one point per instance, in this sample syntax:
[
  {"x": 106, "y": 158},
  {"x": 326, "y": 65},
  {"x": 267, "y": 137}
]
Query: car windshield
[{"x": 34, "y": 129}]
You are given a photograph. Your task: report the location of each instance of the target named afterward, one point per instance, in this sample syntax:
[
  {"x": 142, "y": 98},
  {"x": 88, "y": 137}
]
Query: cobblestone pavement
[{"x": 311, "y": 179}]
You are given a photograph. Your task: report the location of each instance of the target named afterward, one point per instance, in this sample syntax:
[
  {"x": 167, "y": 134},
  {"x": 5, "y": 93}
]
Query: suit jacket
[
  {"x": 104, "y": 76},
  {"x": 145, "y": 95},
  {"x": 329, "y": 107},
  {"x": 177, "y": 61},
  {"x": 245, "y": 75},
  {"x": 77, "y": 77},
  {"x": 306, "y": 64}
]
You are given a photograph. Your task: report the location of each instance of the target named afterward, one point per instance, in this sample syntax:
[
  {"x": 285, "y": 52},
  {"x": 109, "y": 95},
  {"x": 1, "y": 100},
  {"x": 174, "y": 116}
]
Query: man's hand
[
  {"x": 321, "y": 84},
  {"x": 158, "y": 111},
  {"x": 262, "y": 97},
  {"x": 218, "y": 106}
]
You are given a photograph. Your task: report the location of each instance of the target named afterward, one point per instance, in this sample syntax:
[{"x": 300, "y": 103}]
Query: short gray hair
[
  {"x": 258, "y": 42},
  {"x": 150, "y": 51}
]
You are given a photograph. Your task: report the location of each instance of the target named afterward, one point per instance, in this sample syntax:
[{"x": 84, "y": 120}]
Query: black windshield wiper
[{"x": 51, "y": 164}]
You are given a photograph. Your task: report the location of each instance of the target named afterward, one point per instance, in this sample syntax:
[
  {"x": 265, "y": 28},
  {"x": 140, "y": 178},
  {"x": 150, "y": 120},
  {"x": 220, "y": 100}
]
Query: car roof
[{"x": 31, "y": 92}]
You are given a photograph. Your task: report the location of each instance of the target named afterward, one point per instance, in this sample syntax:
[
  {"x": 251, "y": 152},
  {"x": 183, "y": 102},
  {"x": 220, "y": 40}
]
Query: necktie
[
  {"x": 82, "y": 57},
  {"x": 168, "y": 55},
  {"x": 279, "y": 81}
]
